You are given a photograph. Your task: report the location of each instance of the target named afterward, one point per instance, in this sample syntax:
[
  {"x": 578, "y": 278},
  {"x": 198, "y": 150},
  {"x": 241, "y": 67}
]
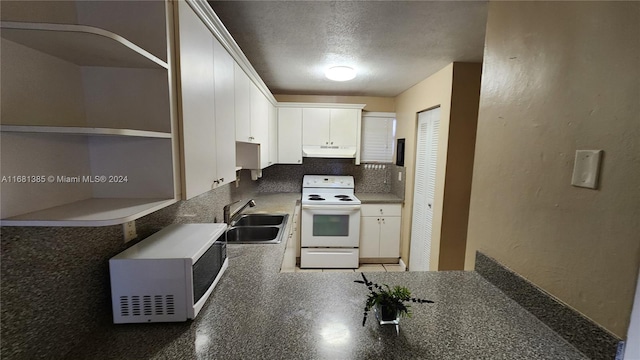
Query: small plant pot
[{"x": 387, "y": 315}]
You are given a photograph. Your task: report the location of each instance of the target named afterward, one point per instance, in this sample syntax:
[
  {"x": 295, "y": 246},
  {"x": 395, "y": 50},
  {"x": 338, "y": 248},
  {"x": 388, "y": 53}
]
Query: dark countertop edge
[{"x": 373, "y": 198}]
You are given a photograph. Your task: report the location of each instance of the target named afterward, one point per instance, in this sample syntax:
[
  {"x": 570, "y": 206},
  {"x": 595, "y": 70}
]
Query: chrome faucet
[{"x": 229, "y": 217}]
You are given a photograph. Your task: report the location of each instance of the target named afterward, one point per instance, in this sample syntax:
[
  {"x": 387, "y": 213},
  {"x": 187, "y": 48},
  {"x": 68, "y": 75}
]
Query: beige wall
[
  {"x": 557, "y": 77},
  {"x": 456, "y": 90},
  {"x": 459, "y": 164},
  {"x": 374, "y": 103},
  {"x": 429, "y": 93}
]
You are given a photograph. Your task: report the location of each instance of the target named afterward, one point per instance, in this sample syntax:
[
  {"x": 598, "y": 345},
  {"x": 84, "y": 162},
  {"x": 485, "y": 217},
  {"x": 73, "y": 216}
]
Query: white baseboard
[{"x": 403, "y": 265}]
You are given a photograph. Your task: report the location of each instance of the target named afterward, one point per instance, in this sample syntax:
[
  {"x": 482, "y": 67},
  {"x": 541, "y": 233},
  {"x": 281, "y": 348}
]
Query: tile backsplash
[
  {"x": 288, "y": 178},
  {"x": 55, "y": 280}
]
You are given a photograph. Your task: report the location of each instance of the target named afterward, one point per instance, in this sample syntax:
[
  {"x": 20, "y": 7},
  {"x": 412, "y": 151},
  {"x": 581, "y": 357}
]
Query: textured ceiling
[{"x": 392, "y": 44}]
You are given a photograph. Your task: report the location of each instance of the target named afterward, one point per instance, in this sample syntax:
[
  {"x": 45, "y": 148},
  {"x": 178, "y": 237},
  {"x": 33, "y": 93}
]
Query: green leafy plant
[{"x": 390, "y": 299}]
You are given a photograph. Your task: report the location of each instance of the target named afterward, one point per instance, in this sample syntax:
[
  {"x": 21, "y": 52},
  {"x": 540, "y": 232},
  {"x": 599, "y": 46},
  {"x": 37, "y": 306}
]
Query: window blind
[{"x": 378, "y": 134}]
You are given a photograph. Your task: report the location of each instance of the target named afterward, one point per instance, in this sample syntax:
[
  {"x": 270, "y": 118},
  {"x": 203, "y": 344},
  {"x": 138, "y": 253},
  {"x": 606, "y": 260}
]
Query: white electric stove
[{"x": 330, "y": 223}]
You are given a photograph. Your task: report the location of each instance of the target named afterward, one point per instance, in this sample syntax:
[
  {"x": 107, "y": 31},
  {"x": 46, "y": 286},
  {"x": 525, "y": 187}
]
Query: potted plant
[{"x": 388, "y": 302}]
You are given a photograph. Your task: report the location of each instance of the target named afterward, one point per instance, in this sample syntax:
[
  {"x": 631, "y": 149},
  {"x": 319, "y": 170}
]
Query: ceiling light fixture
[{"x": 340, "y": 73}]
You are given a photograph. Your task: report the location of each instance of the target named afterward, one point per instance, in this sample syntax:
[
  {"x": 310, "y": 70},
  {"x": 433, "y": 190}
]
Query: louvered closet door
[{"x": 424, "y": 189}]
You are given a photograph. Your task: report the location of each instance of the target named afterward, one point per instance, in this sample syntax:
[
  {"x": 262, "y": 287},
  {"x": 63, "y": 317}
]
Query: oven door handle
[{"x": 330, "y": 207}]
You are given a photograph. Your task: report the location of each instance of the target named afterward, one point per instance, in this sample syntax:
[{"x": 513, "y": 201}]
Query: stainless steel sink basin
[
  {"x": 258, "y": 229},
  {"x": 260, "y": 220},
  {"x": 252, "y": 233}
]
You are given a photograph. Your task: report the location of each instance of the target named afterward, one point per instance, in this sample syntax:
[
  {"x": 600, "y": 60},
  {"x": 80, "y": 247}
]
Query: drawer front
[
  {"x": 329, "y": 258},
  {"x": 381, "y": 210}
]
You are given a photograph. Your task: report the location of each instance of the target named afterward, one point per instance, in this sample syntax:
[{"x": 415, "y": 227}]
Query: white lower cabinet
[{"x": 380, "y": 231}]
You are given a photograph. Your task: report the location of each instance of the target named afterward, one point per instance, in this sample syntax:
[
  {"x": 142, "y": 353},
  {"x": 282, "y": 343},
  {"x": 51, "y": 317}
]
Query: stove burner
[
  {"x": 314, "y": 195},
  {"x": 346, "y": 199},
  {"x": 342, "y": 196},
  {"x": 316, "y": 198}
]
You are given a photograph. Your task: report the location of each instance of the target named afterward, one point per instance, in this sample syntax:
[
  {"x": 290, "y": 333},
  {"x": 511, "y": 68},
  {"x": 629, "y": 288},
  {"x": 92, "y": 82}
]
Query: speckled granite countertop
[
  {"x": 256, "y": 312},
  {"x": 372, "y": 198}
]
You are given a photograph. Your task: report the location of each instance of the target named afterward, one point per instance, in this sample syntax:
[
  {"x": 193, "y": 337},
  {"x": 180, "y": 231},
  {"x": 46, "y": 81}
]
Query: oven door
[{"x": 330, "y": 226}]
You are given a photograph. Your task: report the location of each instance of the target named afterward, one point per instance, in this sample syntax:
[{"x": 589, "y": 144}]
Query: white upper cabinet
[
  {"x": 289, "y": 135},
  {"x": 344, "y": 127},
  {"x": 337, "y": 127},
  {"x": 206, "y": 83},
  {"x": 273, "y": 135},
  {"x": 242, "y": 104},
  {"x": 87, "y": 128},
  {"x": 259, "y": 124},
  {"x": 330, "y": 130},
  {"x": 252, "y": 124},
  {"x": 223, "y": 66},
  {"x": 316, "y": 126},
  {"x": 197, "y": 105}
]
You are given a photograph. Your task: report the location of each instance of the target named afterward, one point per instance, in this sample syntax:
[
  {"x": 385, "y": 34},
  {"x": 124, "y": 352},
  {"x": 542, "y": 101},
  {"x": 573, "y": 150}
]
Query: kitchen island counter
[{"x": 256, "y": 312}]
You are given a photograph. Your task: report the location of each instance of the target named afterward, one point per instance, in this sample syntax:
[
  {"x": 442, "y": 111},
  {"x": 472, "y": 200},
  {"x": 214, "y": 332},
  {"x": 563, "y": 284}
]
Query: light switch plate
[{"x": 586, "y": 168}]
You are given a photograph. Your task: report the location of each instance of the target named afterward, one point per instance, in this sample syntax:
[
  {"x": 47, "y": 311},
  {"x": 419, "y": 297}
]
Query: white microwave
[{"x": 168, "y": 276}]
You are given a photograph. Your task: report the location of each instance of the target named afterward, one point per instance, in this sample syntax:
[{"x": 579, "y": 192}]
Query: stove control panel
[{"x": 323, "y": 181}]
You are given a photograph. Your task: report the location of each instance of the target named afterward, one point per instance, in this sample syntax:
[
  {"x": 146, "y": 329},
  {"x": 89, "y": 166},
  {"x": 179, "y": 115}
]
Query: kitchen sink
[
  {"x": 252, "y": 234},
  {"x": 260, "y": 220},
  {"x": 258, "y": 229}
]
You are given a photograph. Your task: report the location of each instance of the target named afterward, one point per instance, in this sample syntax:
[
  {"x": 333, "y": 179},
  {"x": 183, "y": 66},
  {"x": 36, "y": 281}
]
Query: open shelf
[
  {"x": 84, "y": 102},
  {"x": 74, "y": 130},
  {"x": 80, "y": 44},
  {"x": 90, "y": 212},
  {"x": 137, "y": 172}
]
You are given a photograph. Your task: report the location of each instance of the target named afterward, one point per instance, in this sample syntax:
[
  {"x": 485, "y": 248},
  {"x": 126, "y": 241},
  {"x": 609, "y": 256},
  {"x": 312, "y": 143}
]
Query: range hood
[{"x": 322, "y": 151}]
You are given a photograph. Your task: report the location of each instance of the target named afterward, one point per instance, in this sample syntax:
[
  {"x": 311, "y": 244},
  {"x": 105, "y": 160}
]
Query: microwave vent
[{"x": 147, "y": 305}]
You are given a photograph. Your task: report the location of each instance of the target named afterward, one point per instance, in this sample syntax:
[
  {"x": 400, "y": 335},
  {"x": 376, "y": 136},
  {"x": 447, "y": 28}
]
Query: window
[{"x": 378, "y": 134}]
